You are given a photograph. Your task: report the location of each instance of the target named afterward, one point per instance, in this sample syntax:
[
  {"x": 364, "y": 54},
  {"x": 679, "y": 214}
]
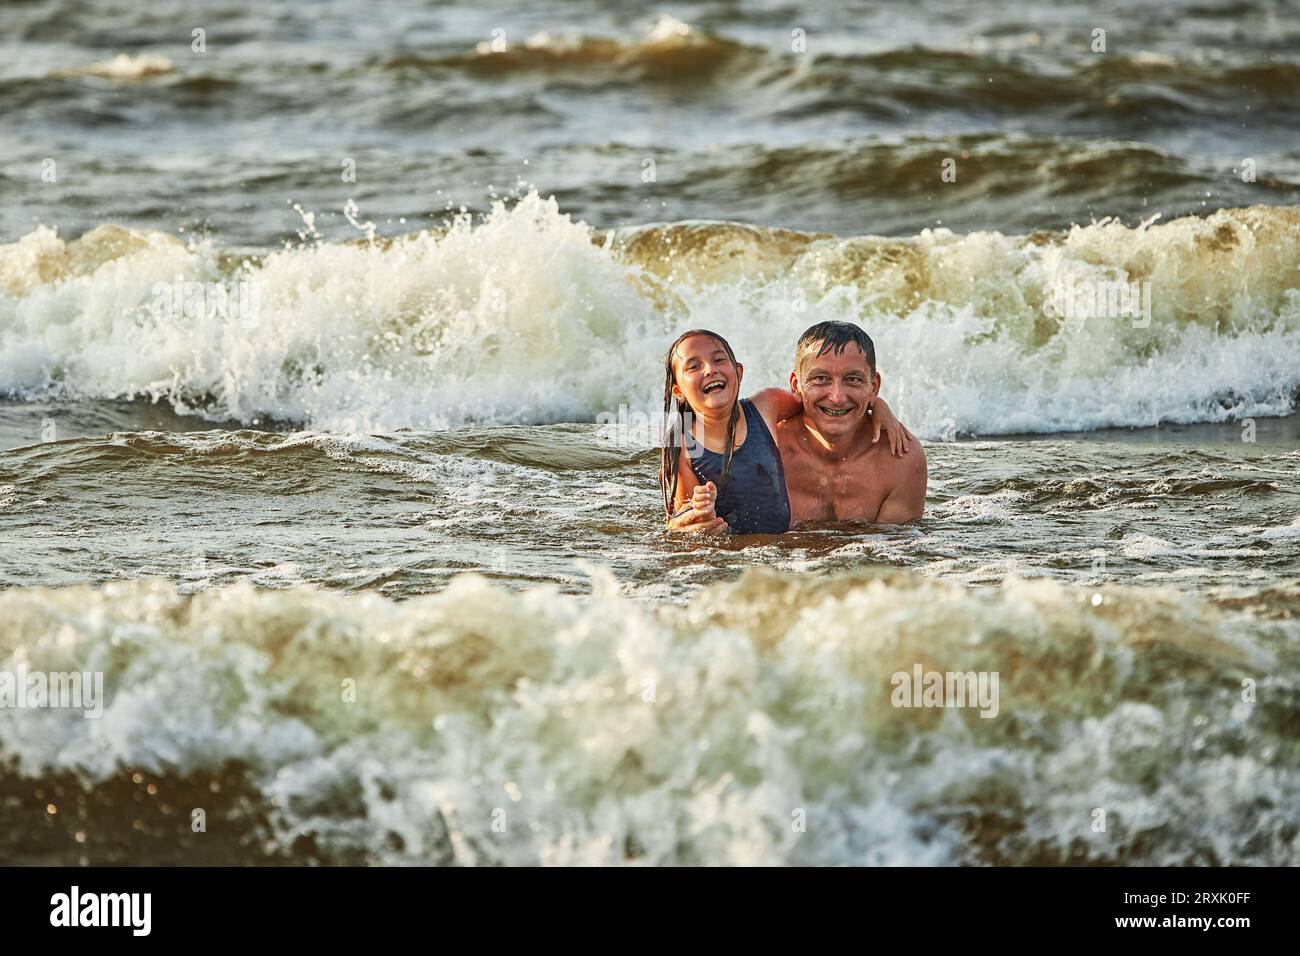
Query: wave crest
[
  {"x": 529, "y": 317},
  {"x": 603, "y": 732}
]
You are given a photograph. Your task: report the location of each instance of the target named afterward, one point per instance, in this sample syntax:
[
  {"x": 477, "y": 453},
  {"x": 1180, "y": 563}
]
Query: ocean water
[{"x": 347, "y": 485}]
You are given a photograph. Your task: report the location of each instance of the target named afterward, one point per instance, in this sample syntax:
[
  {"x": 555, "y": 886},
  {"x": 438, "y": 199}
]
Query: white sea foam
[
  {"x": 595, "y": 730},
  {"x": 529, "y": 317},
  {"x": 124, "y": 66}
]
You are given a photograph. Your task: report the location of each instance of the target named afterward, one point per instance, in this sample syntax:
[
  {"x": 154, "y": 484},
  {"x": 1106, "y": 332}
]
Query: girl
[{"x": 731, "y": 475}]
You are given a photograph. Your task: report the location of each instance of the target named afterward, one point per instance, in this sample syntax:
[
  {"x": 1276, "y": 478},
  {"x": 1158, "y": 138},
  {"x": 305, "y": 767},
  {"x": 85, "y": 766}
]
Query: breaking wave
[
  {"x": 526, "y": 316},
  {"x": 480, "y": 725}
]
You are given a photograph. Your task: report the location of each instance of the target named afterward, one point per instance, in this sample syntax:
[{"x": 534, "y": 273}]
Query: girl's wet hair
[{"x": 676, "y": 426}]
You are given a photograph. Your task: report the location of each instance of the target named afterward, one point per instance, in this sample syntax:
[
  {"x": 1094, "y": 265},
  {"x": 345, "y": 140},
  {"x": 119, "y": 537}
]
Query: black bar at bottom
[{"x": 331, "y": 905}]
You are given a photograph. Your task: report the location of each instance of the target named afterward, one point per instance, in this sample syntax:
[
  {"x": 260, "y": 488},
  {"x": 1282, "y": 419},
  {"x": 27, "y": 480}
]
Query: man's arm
[{"x": 906, "y": 502}]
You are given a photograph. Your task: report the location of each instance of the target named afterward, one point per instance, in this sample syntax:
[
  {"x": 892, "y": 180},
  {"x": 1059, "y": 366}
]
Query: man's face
[{"x": 835, "y": 390}]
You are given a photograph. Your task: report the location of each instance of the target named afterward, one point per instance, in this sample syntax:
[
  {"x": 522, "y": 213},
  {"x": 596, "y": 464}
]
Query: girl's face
[{"x": 705, "y": 377}]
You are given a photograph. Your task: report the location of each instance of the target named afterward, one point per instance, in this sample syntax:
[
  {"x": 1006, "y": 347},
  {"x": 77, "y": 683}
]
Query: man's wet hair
[{"x": 833, "y": 337}]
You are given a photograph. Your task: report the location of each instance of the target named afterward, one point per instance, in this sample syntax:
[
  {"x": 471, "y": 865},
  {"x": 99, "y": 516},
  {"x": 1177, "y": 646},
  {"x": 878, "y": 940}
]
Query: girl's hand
[
  {"x": 692, "y": 521},
  {"x": 699, "y": 515},
  {"x": 882, "y": 419},
  {"x": 703, "y": 500}
]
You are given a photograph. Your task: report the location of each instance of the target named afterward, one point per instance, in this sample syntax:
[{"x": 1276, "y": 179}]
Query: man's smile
[{"x": 834, "y": 412}]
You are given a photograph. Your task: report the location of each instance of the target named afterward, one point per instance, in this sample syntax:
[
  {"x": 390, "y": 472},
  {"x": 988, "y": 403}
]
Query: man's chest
[{"x": 832, "y": 491}]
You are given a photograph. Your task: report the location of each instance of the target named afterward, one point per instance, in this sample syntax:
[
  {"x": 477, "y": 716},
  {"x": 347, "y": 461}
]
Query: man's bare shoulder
[
  {"x": 896, "y": 471},
  {"x": 907, "y": 462},
  {"x": 899, "y": 469},
  {"x": 905, "y": 481}
]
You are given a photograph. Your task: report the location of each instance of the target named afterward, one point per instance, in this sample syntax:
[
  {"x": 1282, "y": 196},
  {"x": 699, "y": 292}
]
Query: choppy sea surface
[{"x": 372, "y": 565}]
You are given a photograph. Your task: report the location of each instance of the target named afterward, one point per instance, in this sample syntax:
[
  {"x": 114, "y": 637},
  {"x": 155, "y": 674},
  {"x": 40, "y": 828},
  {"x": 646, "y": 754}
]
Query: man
[{"x": 833, "y": 470}]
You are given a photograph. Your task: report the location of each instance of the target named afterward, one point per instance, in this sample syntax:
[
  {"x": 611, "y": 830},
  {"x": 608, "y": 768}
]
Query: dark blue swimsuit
[{"x": 754, "y": 500}]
